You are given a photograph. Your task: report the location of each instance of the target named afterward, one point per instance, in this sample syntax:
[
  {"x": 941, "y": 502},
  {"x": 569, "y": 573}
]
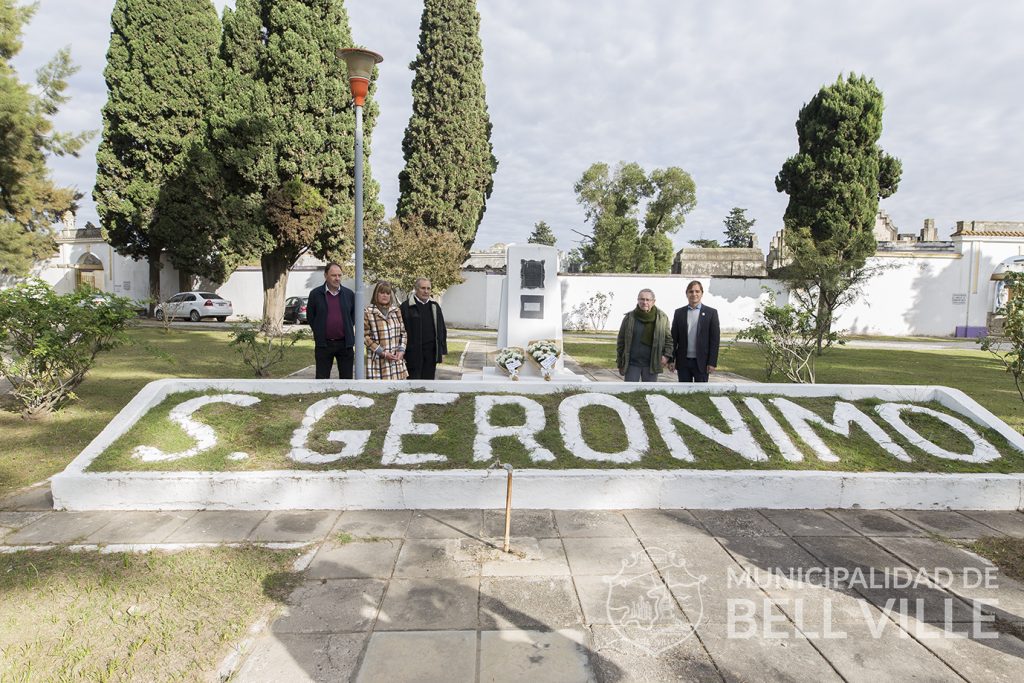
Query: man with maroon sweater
[{"x": 330, "y": 311}]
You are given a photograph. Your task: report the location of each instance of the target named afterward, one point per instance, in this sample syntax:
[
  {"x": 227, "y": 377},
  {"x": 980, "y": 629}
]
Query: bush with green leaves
[
  {"x": 1008, "y": 346},
  {"x": 787, "y": 336},
  {"x": 591, "y": 314},
  {"x": 49, "y": 341},
  {"x": 262, "y": 348}
]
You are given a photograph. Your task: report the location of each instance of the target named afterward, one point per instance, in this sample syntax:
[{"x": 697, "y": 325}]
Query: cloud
[{"x": 714, "y": 88}]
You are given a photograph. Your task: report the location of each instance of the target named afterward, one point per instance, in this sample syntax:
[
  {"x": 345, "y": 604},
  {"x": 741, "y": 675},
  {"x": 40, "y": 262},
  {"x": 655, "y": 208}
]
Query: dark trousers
[
  {"x": 422, "y": 363},
  {"x": 689, "y": 371},
  {"x": 325, "y": 356}
]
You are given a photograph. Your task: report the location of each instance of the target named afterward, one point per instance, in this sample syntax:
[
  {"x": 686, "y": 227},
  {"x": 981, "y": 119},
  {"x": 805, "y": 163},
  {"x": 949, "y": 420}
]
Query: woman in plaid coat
[{"x": 384, "y": 336}]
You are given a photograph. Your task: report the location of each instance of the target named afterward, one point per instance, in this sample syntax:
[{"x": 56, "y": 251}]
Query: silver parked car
[{"x": 195, "y": 306}]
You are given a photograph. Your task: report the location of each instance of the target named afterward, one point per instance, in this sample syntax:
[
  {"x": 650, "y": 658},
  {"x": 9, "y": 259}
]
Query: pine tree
[
  {"x": 542, "y": 234},
  {"x": 834, "y": 183},
  {"x": 30, "y": 202},
  {"x": 285, "y": 137},
  {"x": 160, "y": 76},
  {"x": 738, "y": 228},
  {"x": 449, "y": 162}
]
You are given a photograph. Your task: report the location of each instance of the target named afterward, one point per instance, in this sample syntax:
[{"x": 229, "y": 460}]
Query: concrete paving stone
[
  {"x": 440, "y": 558},
  {"x": 746, "y": 655},
  {"x": 636, "y": 598},
  {"x": 932, "y": 555},
  {"x": 999, "y": 595},
  {"x": 808, "y": 523},
  {"x": 932, "y": 605},
  {"x": 592, "y": 524},
  {"x": 514, "y": 656},
  {"x": 335, "y": 606},
  {"x": 700, "y": 555},
  {"x": 1010, "y": 522},
  {"x": 606, "y": 556},
  {"x": 882, "y": 651},
  {"x": 309, "y": 657},
  {"x": 35, "y": 498},
  {"x": 217, "y": 526},
  {"x": 446, "y": 524},
  {"x": 776, "y": 555},
  {"x": 133, "y": 526},
  {"x": 527, "y": 557},
  {"x": 356, "y": 559},
  {"x": 60, "y": 527},
  {"x": 731, "y": 523},
  {"x": 430, "y": 605},
  {"x": 535, "y": 603},
  {"x": 294, "y": 526},
  {"x": 993, "y": 660},
  {"x": 715, "y": 605},
  {"x": 877, "y": 523},
  {"x": 535, "y": 523},
  {"x": 374, "y": 523},
  {"x": 14, "y": 520},
  {"x": 655, "y": 525},
  {"x": 419, "y": 657},
  {"x": 850, "y": 553},
  {"x": 814, "y": 608},
  {"x": 948, "y": 523},
  {"x": 650, "y": 655}
]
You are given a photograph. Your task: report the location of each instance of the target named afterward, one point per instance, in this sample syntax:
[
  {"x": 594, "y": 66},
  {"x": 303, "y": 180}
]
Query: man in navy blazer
[
  {"x": 695, "y": 337},
  {"x": 330, "y": 311}
]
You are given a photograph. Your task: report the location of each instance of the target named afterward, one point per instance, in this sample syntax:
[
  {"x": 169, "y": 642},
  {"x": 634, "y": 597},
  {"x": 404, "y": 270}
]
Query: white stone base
[
  {"x": 560, "y": 375},
  {"x": 78, "y": 489}
]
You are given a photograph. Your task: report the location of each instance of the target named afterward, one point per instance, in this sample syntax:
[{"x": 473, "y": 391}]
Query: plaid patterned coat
[{"x": 385, "y": 332}]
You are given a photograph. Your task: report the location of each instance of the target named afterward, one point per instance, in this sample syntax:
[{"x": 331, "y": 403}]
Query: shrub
[
  {"x": 787, "y": 336},
  {"x": 1008, "y": 347},
  {"x": 262, "y": 348},
  {"x": 48, "y": 342},
  {"x": 592, "y": 314}
]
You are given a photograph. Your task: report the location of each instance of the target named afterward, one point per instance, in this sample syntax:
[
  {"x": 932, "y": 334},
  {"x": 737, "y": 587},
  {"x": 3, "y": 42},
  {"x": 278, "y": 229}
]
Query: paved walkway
[{"x": 635, "y": 595}]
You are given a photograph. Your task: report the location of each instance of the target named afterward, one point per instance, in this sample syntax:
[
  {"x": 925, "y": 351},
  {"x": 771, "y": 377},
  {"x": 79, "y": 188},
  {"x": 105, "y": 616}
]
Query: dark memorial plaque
[
  {"x": 531, "y": 306},
  {"x": 532, "y": 273}
]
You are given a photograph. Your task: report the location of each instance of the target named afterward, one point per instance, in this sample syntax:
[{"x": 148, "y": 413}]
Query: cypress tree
[
  {"x": 30, "y": 202},
  {"x": 738, "y": 228},
  {"x": 449, "y": 161},
  {"x": 834, "y": 183},
  {"x": 285, "y": 137},
  {"x": 542, "y": 234},
  {"x": 160, "y": 72}
]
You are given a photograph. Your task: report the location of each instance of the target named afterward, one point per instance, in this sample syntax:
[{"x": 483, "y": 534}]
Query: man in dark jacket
[
  {"x": 696, "y": 337},
  {"x": 330, "y": 311},
  {"x": 427, "y": 336}
]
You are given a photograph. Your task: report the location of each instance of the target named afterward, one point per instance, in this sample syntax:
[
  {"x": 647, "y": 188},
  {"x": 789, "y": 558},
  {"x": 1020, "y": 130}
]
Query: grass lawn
[
  {"x": 972, "y": 371},
  {"x": 33, "y": 450},
  {"x": 91, "y": 616}
]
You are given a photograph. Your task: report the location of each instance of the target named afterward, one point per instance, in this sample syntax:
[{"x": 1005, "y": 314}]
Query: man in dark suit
[
  {"x": 330, "y": 311},
  {"x": 425, "y": 331},
  {"x": 696, "y": 337}
]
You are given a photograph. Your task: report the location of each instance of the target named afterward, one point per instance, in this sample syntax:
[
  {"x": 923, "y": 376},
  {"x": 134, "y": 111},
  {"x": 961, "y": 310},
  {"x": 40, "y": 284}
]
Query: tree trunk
[
  {"x": 275, "y": 278},
  {"x": 185, "y": 281},
  {"x": 154, "y": 279}
]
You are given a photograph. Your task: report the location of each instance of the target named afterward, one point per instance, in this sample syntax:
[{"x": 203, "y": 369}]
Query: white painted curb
[{"x": 76, "y": 489}]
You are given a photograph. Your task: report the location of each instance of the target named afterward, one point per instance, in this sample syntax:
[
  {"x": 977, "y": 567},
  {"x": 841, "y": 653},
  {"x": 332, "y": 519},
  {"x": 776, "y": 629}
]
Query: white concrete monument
[{"x": 531, "y": 308}]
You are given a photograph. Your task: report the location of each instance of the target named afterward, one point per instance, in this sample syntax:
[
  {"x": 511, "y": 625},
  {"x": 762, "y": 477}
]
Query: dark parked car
[{"x": 295, "y": 310}]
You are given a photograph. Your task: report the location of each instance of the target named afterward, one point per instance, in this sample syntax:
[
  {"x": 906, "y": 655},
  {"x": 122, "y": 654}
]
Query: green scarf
[{"x": 648, "y": 318}]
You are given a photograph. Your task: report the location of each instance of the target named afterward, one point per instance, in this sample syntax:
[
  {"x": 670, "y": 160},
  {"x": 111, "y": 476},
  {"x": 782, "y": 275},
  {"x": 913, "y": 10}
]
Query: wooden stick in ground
[{"x": 508, "y": 506}]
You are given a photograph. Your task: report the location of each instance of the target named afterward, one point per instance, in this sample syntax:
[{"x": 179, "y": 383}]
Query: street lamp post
[{"x": 360, "y": 65}]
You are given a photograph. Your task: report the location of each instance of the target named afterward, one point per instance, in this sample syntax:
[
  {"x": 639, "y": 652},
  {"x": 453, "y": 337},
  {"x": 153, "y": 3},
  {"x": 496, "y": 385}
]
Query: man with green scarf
[{"x": 644, "y": 345}]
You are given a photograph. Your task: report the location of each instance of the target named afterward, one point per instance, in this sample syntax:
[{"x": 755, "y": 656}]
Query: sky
[{"x": 712, "y": 87}]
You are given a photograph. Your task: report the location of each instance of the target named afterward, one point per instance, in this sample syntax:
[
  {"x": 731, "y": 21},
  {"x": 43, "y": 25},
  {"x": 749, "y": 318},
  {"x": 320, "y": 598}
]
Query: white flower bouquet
[
  {"x": 545, "y": 352},
  {"x": 510, "y": 359}
]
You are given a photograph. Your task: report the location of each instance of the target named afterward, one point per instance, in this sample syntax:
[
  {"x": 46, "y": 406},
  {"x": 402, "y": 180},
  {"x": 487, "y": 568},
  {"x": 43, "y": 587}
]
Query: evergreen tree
[
  {"x": 285, "y": 137},
  {"x": 30, "y": 202},
  {"x": 620, "y": 243},
  {"x": 738, "y": 228},
  {"x": 706, "y": 244},
  {"x": 834, "y": 183},
  {"x": 449, "y": 163},
  {"x": 160, "y": 72},
  {"x": 542, "y": 234}
]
